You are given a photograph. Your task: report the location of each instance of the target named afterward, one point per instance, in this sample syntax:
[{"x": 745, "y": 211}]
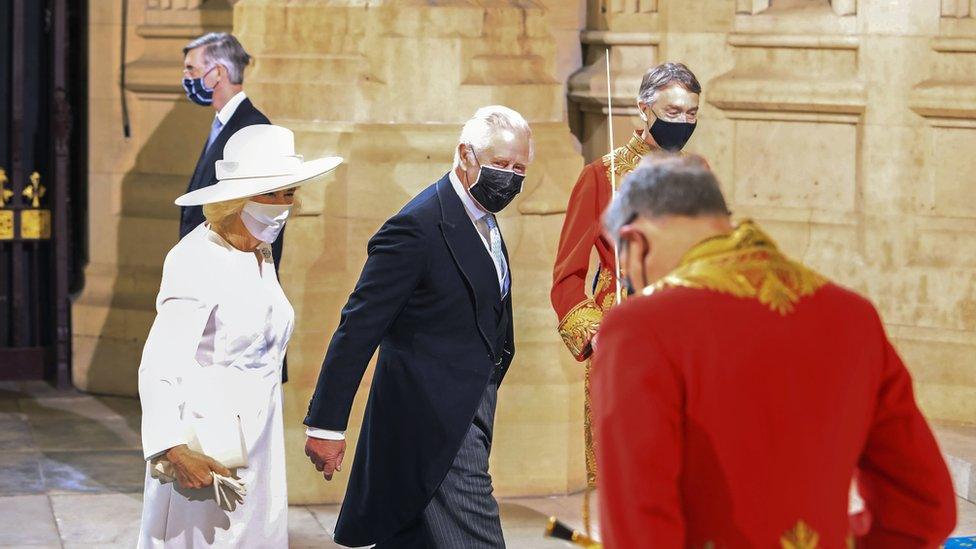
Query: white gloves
[{"x": 228, "y": 491}]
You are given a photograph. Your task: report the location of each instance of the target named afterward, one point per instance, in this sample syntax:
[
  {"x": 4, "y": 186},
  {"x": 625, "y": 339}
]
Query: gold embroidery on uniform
[
  {"x": 627, "y": 158},
  {"x": 579, "y": 326},
  {"x": 800, "y": 537},
  {"x": 604, "y": 281},
  {"x": 744, "y": 263}
]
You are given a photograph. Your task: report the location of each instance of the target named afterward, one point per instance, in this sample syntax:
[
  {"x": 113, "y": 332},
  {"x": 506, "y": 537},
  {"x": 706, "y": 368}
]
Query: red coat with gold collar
[{"x": 735, "y": 400}]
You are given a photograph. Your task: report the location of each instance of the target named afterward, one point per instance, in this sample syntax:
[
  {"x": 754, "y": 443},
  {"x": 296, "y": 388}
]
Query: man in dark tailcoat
[
  {"x": 213, "y": 76},
  {"x": 435, "y": 297}
]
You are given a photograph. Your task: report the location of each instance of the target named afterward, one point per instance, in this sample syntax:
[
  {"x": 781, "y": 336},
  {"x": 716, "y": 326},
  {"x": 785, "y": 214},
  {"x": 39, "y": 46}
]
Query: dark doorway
[{"x": 43, "y": 63}]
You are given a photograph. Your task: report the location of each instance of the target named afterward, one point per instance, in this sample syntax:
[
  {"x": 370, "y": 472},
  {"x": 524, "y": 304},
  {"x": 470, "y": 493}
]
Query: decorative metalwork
[
  {"x": 6, "y": 224},
  {"x": 5, "y": 193},
  {"x": 35, "y": 191},
  {"x": 35, "y": 224}
]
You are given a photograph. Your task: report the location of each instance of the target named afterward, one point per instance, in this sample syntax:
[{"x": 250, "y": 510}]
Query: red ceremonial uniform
[
  {"x": 579, "y": 315},
  {"x": 737, "y": 398}
]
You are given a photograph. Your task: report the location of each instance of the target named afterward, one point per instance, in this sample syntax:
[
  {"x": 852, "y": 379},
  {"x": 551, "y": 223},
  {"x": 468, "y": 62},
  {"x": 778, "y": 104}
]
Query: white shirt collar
[
  {"x": 225, "y": 113},
  {"x": 474, "y": 211}
]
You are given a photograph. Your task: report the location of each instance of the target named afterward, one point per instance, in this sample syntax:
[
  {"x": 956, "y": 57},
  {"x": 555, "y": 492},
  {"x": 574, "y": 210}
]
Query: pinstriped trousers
[{"x": 463, "y": 513}]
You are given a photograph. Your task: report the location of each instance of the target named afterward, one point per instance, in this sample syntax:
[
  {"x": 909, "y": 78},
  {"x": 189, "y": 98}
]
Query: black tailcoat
[{"x": 429, "y": 298}]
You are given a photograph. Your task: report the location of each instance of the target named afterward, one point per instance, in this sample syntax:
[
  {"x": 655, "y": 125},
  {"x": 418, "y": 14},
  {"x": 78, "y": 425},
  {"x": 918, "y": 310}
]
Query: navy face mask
[
  {"x": 495, "y": 188},
  {"x": 197, "y": 91}
]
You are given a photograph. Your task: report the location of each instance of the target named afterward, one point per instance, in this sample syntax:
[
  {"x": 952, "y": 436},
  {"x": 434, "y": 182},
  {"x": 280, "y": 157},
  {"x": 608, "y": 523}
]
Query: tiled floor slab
[
  {"x": 98, "y": 520},
  {"x": 15, "y": 434},
  {"x": 306, "y": 532},
  {"x": 20, "y": 473},
  {"x": 27, "y": 521},
  {"x": 54, "y": 433},
  {"x": 79, "y": 406},
  {"x": 9, "y": 407},
  {"x": 94, "y": 472}
]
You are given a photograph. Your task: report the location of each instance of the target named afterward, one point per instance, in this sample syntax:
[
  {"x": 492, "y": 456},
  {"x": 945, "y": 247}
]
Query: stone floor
[{"x": 71, "y": 476}]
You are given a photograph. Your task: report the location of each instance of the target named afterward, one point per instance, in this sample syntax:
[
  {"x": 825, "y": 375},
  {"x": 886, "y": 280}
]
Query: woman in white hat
[{"x": 209, "y": 381}]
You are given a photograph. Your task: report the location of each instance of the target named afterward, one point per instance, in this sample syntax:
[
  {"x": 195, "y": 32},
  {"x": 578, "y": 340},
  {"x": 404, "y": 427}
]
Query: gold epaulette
[{"x": 579, "y": 326}]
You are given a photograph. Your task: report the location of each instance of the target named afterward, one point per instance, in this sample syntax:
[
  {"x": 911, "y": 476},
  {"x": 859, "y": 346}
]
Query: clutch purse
[{"x": 221, "y": 439}]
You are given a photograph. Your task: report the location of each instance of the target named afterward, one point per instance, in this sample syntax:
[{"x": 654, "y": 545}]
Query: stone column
[
  {"x": 134, "y": 179},
  {"x": 387, "y": 87},
  {"x": 631, "y": 31}
]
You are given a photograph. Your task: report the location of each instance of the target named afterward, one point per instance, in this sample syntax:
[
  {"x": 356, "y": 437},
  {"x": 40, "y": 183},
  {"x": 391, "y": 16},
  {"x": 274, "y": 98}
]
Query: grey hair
[
  {"x": 665, "y": 185},
  {"x": 221, "y": 48},
  {"x": 477, "y": 131},
  {"x": 662, "y": 76}
]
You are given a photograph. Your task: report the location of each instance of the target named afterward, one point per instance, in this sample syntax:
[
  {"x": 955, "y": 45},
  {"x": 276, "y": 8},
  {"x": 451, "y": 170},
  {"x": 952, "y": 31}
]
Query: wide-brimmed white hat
[{"x": 259, "y": 159}]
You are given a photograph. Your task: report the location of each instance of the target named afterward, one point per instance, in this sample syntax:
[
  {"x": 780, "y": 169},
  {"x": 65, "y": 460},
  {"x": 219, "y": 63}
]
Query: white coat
[{"x": 216, "y": 349}]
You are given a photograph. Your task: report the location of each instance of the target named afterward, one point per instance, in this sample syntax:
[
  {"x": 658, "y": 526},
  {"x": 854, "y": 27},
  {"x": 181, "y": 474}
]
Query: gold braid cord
[{"x": 744, "y": 263}]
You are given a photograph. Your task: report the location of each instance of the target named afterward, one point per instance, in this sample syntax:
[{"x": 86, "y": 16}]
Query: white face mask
[{"x": 265, "y": 221}]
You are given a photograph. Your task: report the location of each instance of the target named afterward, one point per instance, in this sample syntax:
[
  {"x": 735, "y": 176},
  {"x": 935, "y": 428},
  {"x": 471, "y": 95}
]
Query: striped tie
[
  {"x": 214, "y": 131},
  {"x": 495, "y": 243}
]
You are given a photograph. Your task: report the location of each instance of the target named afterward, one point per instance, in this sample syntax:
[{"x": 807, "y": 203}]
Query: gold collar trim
[
  {"x": 744, "y": 263},
  {"x": 627, "y": 158}
]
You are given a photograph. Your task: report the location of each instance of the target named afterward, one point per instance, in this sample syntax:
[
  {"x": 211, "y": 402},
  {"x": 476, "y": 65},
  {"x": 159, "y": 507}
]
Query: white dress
[{"x": 216, "y": 347}]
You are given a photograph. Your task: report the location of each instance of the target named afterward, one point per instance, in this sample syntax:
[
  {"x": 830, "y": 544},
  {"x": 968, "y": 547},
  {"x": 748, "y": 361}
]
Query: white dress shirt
[{"x": 476, "y": 214}]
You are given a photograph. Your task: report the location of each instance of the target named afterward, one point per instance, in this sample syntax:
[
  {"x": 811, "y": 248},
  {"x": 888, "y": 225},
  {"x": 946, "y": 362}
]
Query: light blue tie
[
  {"x": 495, "y": 243},
  {"x": 214, "y": 131}
]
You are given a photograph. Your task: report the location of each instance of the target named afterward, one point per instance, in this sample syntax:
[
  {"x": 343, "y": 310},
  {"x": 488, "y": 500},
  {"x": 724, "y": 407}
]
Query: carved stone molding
[
  {"x": 168, "y": 26},
  {"x": 949, "y": 99},
  {"x": 786, "y": 88},
  {"x": 173, "y": 4},
  {"x": 631, "y": 53},
  {"x": 625, "y": 7},
  {"x": 839, "y": 7},
  {"x": 958, "y": 8}
]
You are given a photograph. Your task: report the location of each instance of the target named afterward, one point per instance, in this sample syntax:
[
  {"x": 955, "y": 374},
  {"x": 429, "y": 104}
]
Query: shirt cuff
[{"x": 325, "y": 434}]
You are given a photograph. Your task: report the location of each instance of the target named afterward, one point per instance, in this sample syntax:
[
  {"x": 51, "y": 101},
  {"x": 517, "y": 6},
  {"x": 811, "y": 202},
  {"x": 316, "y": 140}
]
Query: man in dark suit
[
  {"x": 213, "y": 75},
  {"x": 435, "y": 296}
]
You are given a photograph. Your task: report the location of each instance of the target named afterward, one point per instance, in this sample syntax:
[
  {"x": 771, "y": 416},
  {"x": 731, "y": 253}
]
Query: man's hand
[
  {"x": 326, "y": 455},
  {"x": 193, "y": 468}
]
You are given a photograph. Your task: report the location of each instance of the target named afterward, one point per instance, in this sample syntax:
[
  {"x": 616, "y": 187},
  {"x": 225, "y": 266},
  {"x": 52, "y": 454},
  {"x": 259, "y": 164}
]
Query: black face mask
[
  {"x": 672, "y": 136},
  {"x": 494, "y": 189}
]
